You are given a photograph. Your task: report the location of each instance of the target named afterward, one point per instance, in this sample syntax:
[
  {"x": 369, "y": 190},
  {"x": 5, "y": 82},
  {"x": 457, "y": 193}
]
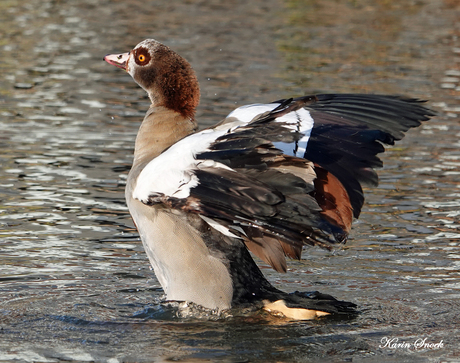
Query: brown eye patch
[{"x": 141, "y": 56}]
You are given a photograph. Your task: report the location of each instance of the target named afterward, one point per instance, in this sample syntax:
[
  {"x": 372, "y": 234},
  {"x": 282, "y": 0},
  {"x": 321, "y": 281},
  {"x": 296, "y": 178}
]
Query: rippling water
[{"x": 75, "y": 284}]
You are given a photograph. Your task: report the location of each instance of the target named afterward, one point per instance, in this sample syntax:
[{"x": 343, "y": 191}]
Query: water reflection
[{"x": 75, "y": 283}]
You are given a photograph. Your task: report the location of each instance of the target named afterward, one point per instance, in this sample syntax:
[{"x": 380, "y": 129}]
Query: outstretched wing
[{"x": 271, "y": 174}]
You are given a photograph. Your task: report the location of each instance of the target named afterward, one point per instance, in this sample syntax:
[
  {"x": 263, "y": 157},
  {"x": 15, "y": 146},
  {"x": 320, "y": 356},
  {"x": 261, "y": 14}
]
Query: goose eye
[{"x": 142, "y": 56}]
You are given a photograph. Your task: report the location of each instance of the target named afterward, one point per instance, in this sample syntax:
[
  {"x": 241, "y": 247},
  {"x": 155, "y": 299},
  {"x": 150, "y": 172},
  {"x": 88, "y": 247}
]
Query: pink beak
[{"x": 118, "y": 60}]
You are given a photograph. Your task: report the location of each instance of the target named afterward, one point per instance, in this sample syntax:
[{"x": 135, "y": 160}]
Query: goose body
[{"x": 269, "y": 178}]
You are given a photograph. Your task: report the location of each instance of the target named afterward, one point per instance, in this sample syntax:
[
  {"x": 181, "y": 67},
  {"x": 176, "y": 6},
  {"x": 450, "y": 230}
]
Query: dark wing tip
[{"x": 349, "y": 130}]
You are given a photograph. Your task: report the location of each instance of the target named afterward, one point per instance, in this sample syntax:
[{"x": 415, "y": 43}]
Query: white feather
[
  {"x": 171, "y": 173},
  {"x": 299, "y": 120},
  {"x": 219, "y": 227},
  {"x": 246, "y": 114},
  {"x": 302, "y": 122}
]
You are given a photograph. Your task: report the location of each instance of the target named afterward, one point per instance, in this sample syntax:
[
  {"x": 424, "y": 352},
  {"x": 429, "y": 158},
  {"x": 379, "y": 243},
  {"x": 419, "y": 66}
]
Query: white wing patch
[
  {"x": 300, "y": 121},
  {"x": 246, "y": 113},
  {"x": 171, "y": 173}
]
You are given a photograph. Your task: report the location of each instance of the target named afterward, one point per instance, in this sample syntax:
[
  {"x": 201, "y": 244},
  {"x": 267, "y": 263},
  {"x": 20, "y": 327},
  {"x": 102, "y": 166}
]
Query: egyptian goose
[{"x": 269, "y": 178}]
